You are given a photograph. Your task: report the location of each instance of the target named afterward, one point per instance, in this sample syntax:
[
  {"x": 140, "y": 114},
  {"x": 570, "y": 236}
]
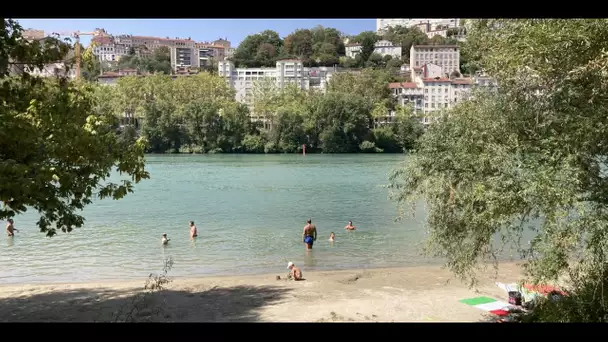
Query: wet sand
[{"x": 415, "y": 294}]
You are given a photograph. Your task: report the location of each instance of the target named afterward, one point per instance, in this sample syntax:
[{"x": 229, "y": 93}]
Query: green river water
[{"x": 250, "y": 211}]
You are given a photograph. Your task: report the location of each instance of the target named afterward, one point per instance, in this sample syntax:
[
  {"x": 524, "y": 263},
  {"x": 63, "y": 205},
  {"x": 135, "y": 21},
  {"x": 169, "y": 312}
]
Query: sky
[{"x": 198, "y": 29}]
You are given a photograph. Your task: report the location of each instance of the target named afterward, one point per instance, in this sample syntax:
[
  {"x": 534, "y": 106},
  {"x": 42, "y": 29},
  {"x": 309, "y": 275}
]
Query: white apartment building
[
  {"x": 408, "y": 93},
  {"x": 287, "y": 71},
  {"x": 428, "y": 95},
  {"x": 383, "y": 24},
  {"x": 382, "y": 47},
  {"x": 445, "y": 56}
]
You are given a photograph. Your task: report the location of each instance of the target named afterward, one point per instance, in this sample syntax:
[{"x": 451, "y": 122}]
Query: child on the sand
[{"x": 295, "y": 273}]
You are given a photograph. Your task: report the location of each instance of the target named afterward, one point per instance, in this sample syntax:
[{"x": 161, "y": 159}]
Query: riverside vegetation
[
  {"x": 531, "y": 155},
  {"x": 199, "y": 114}
]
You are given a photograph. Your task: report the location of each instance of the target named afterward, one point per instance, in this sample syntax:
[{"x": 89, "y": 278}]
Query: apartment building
[
  {"x": 407, "y": 93},
  {"x": 445, "y": 56},
  {"x": 382, "y": 47},
  {"x": 383, "y": 24},
  {"x": 201, "y": 55},
  {"x": 286, "y": 71},
  {"x": 222, "y": 42},
  {"x": 33, "y": 34},
  {"x": 111, "y": 48}
]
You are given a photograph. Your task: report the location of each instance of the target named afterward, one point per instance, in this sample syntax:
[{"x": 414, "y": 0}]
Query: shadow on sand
[{"x": 234, "y": 304}]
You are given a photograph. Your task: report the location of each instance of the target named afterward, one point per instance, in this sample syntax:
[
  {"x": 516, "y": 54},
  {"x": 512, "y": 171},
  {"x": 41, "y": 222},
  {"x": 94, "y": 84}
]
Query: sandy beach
[{"x": 418, "y": 294}]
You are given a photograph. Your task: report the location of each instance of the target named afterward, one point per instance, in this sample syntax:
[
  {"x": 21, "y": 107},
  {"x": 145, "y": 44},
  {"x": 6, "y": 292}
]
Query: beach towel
[{"x": 491, "y": 305}]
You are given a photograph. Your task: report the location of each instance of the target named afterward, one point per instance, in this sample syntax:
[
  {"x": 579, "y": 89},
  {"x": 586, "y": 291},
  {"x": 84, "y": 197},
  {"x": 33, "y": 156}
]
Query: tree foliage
[
  {"x": 367, "y": 39},
  {"x": 258, "y": 50},
  {"x": 58, "y": 145},
  {"x": 370, "y": 84},
  {"x": 158, "y": 61},
  {"x": 199, "y": 114},
  {"x": 529, "y": 158},
  {"x": 319, "y": 46}
]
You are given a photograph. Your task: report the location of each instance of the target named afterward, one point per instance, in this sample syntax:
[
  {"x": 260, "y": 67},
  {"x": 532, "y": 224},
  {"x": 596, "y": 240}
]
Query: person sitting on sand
[
  {"x": 332, "y": 237},
  {"x": 193, "y": 230},
  {"x": 309, "y": 236},
  {"x": 164, "y": 239},
  {"x": 350, "y": 226},
  {"x": 10, "y": 227},
  {"x": 294, "y": 272}
]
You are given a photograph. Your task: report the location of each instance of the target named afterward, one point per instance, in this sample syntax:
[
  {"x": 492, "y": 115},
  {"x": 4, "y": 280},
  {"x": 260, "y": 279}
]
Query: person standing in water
[
  {"x": 309, "y": 236},
  {"x": 332, "y": 237},
  {"x": 350, "y": 226},
  {"x": 10, "y": 227},
  {"x": 193, "y": 230},
  {"x": 164, "y": 239}
]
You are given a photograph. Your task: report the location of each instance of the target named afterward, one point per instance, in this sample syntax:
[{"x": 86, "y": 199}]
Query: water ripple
[{"x": 250, "y": 211}]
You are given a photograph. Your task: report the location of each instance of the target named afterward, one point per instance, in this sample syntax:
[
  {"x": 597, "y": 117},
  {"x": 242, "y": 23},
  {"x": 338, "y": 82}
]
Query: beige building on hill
[
  {"x": 185, "y": 52},
  {"x": 445, "y": 56},
  {"x": 32, "y": 34}
]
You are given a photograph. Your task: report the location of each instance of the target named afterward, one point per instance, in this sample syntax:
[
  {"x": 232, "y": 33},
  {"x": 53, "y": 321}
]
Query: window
[
  {"x": 426, "y": 105},
  {"x": 446, "y": 90},
  {"x": 432, "y": 105},
  {"x": 426, "y": 91}
]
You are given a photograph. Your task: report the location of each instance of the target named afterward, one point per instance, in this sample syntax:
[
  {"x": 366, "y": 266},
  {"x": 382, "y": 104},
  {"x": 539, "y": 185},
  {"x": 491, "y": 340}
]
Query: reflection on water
[{"x": 309, "y": 259}]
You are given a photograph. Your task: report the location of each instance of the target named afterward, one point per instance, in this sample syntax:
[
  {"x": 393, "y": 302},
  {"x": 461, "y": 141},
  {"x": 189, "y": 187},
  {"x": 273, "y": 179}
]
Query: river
[{"x": 250, "y": 211}]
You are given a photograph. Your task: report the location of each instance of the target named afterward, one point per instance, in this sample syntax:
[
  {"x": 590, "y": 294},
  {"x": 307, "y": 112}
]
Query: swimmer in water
[
  {"x": 193, "y": 231},
  {"x": 164, "y": 239},
  {"x": 10, "y": 227},
  {"x": 332, "y": 237},
  {"x": 350, "y": 226}
]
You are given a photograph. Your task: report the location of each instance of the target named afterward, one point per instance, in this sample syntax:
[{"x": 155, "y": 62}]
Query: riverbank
[{"x": 372, "y": 295}]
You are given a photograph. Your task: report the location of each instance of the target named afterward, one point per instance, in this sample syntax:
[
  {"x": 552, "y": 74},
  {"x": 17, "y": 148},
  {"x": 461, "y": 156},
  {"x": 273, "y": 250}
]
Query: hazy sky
[{"x": 198, "y": 29}]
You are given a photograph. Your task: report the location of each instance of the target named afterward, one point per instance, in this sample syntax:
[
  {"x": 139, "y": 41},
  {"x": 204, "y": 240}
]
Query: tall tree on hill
[
  {"x": 258, "y": 50},
  {"x": 299, "y": 44},
  {"x": 525, "y": 162},
  {"x": 58, "y": 143},
  {"x": 406, "y": 37},
  {"x": 327, "y": 35},
  {"x": 367, "y": 40}
]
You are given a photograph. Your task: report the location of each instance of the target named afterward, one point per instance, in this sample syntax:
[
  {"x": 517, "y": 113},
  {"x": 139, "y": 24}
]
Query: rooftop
[
  {"x": 434, "y": 46},
  {"x": 462, "y": 81},
  {"x": 406, "y": 85},
  {"x": 436, "y": 80}
]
